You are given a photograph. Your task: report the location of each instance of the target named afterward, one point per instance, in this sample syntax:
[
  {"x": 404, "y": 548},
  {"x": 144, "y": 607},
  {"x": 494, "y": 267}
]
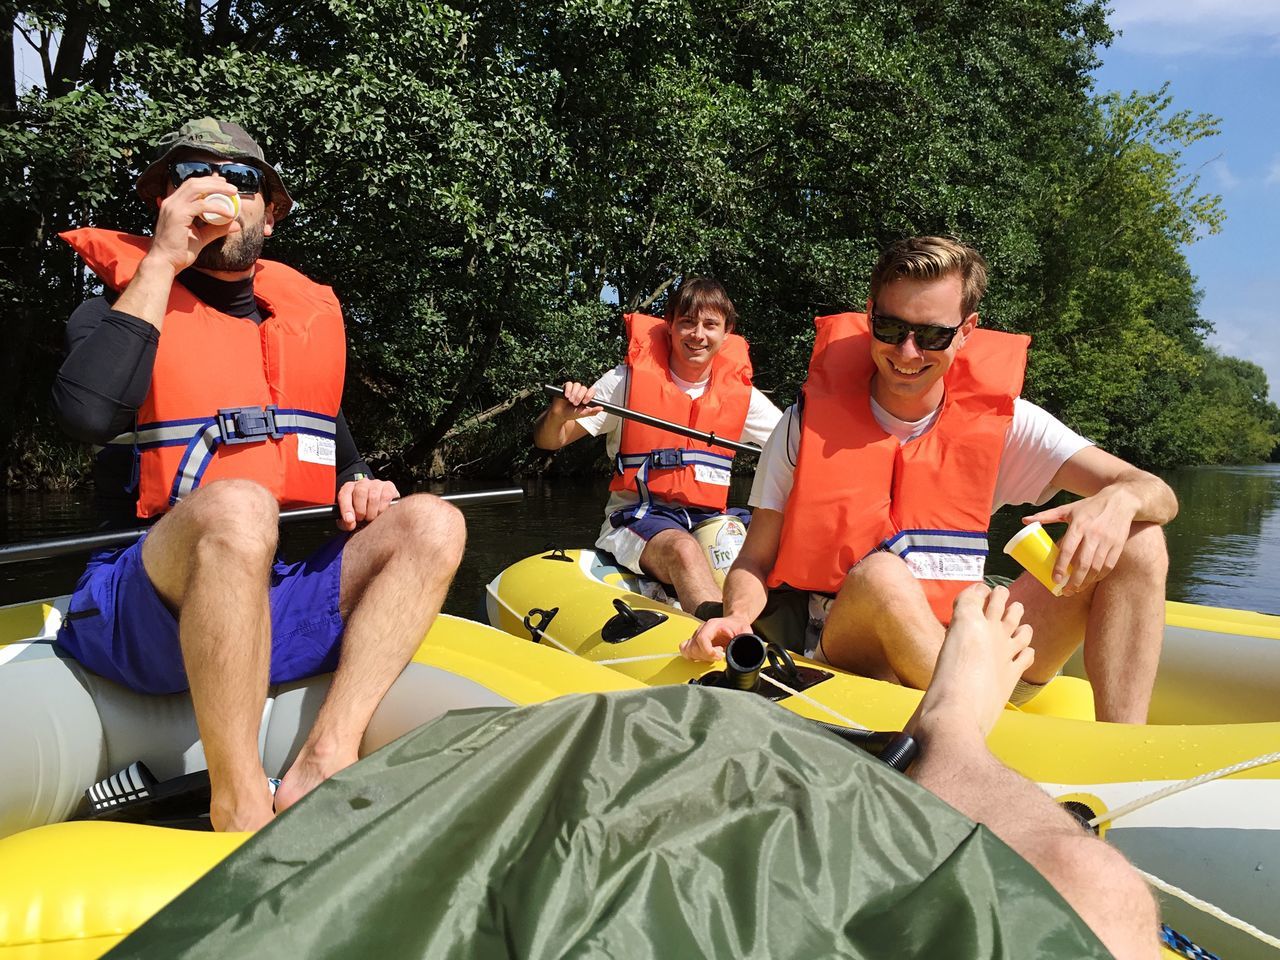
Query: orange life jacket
[
  {"x": 857, "y": 489},
  {"x": 656, "y": 463},
  {"x": 229, "y": 397}
]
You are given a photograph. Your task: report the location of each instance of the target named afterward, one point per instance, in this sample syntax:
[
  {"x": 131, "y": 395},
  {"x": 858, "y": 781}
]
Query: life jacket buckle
[
  {"x": 667, "y": 458},
  {"x": 248, "y": 424}
]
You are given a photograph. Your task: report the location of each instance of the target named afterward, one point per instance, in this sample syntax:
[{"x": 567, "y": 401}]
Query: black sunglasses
[
  {"x": 246, "y": 179},
  {"x": 928, "y": 336}
]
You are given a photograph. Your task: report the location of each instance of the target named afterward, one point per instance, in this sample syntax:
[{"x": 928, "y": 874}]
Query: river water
[{"x": 1224, "y": 546}]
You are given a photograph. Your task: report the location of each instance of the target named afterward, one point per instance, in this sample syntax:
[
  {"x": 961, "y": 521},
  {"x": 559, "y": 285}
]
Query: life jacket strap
[
  {"x": 665, "y": 458},
  {"x": 229, "y": 426}
]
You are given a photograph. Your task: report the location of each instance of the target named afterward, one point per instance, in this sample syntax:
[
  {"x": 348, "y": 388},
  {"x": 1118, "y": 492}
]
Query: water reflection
[{"x": 1224, "y": 546}]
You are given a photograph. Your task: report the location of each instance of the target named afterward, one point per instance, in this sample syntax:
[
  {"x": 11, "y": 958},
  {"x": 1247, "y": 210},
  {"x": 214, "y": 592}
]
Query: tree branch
[
  {"x": 486, "y": 415},
  {"x": 662, "y": 288}
]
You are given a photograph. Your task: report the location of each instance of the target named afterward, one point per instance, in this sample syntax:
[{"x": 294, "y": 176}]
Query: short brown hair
[
  {"x": 696, "y": 294},
  {"x": 929, "y": 258}
]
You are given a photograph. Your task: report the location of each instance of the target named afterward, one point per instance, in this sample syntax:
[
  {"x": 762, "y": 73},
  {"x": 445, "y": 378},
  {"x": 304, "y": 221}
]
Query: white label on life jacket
[
  {"x": 946, "y": 566},
  {"x": 321, "y": 450},
  {"x": 706, "y": 473}
]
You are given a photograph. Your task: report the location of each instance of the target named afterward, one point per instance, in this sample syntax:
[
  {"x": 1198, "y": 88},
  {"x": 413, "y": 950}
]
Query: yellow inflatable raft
[
  {"x": 1217, "y": 704},
  {"x": 72, "y": 890}
]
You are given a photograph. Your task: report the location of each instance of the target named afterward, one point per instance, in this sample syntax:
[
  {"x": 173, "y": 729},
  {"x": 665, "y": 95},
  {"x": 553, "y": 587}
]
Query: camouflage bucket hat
[{"x": 212, "y": 136}]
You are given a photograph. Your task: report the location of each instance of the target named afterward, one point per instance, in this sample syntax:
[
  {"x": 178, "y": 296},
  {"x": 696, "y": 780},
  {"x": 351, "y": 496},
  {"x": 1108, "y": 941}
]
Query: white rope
[
  {"x": 1111, "y": 816},
  {"x": 813, "y": 703},
  {"x": 650, "y": 656},
  {"x": 555, "y": 643},
  {"x": 1217, "y": 913}
]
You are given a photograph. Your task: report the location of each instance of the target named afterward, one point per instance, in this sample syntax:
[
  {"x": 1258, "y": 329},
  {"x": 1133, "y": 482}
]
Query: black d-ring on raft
[
  {"x": 780, "y": 660},
  {"x": 544, "y": 620}
]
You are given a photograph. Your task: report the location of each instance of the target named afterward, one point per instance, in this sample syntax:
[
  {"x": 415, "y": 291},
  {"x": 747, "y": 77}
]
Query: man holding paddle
[
  {"x": 212, "y": 380},
  {"x": 692, "y": 369},
  {"x": 877, "y": 497}
]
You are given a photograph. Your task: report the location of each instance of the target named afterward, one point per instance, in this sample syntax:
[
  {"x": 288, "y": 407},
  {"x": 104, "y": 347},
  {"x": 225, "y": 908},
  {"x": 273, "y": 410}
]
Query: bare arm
[
  {"x": 745, "y": 589},
  {"x": 558, "y": 425},
  {"x": 1115, "y": 494}
]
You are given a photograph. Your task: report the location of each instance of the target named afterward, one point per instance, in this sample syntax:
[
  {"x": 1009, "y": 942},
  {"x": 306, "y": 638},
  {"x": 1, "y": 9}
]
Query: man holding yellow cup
[{"x": 875, "y": 495}]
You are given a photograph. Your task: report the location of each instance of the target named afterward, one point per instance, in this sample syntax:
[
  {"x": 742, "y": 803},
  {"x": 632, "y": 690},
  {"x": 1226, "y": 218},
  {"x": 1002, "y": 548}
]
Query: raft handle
[
  {"x": 629, "y": 622},
  {"x": 536, "y": 630}
]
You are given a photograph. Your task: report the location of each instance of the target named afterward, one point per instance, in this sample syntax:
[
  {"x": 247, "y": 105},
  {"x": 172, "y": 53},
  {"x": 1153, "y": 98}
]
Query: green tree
[{"x": 474, "y": 178}]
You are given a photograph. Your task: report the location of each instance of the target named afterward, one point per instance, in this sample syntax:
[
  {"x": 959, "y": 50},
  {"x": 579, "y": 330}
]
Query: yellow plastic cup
[
  {"x": 230, "y": 204},
  {"x": 1035, "y": 550}
]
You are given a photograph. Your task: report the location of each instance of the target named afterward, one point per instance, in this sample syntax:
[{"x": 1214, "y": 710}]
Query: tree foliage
[{"x": 476, "y": 180}]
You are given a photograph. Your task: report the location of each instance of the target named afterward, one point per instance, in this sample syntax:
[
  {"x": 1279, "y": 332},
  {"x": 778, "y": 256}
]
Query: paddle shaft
[
  {"x": 628, "y": 414},
  {"x": 47, "y": 549}
]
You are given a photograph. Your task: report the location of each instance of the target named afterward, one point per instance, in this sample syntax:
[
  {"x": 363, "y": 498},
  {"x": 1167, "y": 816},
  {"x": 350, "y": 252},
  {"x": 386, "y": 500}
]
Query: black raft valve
[{"x": 744, "y": 658}]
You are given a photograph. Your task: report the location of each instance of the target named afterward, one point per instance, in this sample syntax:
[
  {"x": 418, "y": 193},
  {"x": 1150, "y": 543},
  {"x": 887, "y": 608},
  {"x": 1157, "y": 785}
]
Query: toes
[
  {"x": 971, "y": 598},
  {"x": 997, "y": 600},
  {"x": 1022, "y": 662},
  {"x": 1012, "y": 616},
  {"x": 1021, "y": 637}
]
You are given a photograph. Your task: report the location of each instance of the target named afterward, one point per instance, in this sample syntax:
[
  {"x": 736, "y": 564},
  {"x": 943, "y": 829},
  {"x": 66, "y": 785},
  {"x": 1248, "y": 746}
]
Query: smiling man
[
  {"x": 877, "y": 496},
  {"x": 692, "y": 369}
]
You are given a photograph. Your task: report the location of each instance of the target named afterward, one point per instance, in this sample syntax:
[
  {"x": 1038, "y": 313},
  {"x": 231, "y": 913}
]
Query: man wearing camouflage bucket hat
[
  {"x": 211, "y": 379},
  {"x": 227, "y": 140}
]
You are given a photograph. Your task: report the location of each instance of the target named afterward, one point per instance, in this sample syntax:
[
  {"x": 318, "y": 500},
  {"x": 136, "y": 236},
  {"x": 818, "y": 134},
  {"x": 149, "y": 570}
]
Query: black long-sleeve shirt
[{"x": 107, "y": 374}]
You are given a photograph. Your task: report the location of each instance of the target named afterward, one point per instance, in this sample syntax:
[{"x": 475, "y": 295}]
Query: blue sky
[{"x": 1221, "y": 58}]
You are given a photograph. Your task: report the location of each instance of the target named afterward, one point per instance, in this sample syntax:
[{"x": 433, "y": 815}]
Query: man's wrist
[{"x": 155, "y": 261}]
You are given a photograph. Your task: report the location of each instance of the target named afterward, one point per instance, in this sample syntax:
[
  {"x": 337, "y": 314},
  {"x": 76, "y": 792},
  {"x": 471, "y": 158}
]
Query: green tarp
[{"x": 677, "y": 822}]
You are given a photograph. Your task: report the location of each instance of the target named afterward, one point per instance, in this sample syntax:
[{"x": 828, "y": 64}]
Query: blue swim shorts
[
  {"x": 662, "y": 516},
  {"x": 119, "y": 628}
]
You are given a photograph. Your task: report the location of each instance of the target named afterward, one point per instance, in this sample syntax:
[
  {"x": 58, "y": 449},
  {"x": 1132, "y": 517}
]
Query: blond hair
[{"x": 930, "y": 258}]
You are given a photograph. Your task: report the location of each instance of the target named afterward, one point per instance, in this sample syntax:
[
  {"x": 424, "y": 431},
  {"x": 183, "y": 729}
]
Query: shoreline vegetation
[{"x": 489, "y": 186}]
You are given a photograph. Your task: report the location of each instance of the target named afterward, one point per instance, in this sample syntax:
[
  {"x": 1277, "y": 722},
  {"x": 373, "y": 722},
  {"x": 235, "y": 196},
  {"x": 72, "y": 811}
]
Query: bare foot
[
  {"x": 311, "y": 768},
  {"x": 247, "y": 808},
  {"x": 983, "y": 654}
]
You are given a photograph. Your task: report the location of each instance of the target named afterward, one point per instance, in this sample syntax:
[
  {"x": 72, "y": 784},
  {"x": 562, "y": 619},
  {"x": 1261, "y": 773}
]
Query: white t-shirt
[
  {"x": 762, "y": 417},
  {"x": 1037, "y": 444}
]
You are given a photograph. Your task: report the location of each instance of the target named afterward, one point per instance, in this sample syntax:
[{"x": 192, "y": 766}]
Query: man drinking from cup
[
  {"x": 211, "y": 380},
  {"x": 877, "y": 496}
]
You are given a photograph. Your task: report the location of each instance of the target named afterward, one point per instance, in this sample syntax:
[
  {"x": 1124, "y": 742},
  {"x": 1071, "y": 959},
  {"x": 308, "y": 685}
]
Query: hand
[
  {"x": 180, "y": 232},
  {"x": 1097, "y": 529},
  {"x": 360, "y": 501},
  {"x": 576, "y": 402},
  {"x": 709, "y": 640}
]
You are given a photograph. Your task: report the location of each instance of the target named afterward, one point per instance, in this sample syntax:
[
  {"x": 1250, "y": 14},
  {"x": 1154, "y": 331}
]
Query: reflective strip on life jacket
[{"x": 941, "y": 554}]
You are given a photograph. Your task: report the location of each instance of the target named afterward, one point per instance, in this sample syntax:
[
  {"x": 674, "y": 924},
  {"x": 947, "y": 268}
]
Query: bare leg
[
  {"x": 676, "y": 557},
  {"x": 209, "y": 559},
  {"x": 395, "y": 573},
  {"x": 982, "y": 658},
  {"x": 1120, "y": 621},
  {"x": 881, "y": 625}
]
